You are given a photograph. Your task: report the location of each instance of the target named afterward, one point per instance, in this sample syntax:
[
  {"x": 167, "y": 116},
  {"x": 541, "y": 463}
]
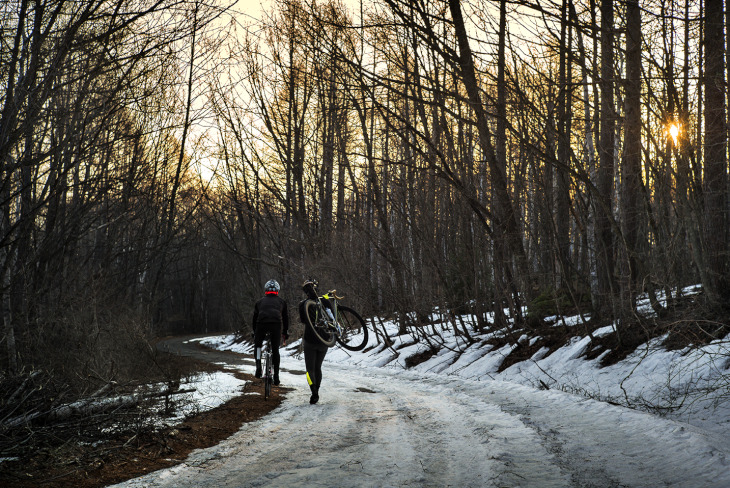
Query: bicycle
[
  {"x": 336, "y": 324},
  {"x": 268, "y": 364}
]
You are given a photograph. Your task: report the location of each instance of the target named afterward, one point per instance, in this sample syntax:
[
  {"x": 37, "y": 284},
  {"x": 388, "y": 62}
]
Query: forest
[{"x": 161, "y": 159}]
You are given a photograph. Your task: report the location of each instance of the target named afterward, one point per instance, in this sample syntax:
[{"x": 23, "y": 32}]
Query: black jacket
[{"x": 271, "y": 310}]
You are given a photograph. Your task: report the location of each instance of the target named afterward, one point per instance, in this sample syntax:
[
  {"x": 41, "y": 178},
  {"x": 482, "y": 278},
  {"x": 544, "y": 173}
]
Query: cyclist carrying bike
[
  {"x": 270, "y": 314},
  {"x": 314, "y": 350}
]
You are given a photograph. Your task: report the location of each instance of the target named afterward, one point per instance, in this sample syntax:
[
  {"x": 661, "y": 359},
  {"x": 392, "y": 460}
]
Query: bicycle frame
[
  {"x": 333, "y": 322},
  {"x": 265, "y": 359}
]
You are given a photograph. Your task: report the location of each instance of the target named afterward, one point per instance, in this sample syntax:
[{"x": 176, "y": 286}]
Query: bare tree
[
  {"x": 715, "y": 189},
  {"x": 605, "y": 189},
  {"x": 84, "y": 149},
  {"x": 631, "y": 192}
]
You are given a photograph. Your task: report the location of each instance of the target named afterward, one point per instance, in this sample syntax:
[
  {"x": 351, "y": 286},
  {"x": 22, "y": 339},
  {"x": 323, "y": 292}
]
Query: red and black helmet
[{"x": 272, "y": 286}]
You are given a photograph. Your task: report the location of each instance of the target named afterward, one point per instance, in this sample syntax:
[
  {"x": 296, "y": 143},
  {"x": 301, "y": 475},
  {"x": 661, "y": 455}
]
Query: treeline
[
  {"x": 481, "y": 156},
  {"x": 99, "y": 206},
  {"x": 489, "y": 155}
]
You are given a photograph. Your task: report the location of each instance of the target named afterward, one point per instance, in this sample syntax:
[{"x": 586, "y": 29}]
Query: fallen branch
[{"x": 90, "y": 406}]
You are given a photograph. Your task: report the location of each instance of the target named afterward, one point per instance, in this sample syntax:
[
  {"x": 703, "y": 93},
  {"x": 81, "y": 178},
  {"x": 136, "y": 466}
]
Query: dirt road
[{"x": 385, "y": 427}]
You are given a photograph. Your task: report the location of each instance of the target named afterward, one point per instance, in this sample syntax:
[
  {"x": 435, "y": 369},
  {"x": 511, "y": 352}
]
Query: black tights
[{"x": 314, "y": 354}]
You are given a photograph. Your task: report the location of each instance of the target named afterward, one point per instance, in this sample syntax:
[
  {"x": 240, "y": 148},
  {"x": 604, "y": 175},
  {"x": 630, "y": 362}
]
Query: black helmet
[
  {"x": 272, "y": 286},
  {"x": 310, "y": 288}
]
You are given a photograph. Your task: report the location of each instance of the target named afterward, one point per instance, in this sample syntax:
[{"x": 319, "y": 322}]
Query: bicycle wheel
[
  {"x": 267, "y": 378},
  {"x": 318, "y": 324},
  {"x": 354, "y": 332}
]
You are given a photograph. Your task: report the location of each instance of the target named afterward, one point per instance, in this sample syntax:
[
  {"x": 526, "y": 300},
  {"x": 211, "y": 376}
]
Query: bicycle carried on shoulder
[{"x": 337, "y": 323}]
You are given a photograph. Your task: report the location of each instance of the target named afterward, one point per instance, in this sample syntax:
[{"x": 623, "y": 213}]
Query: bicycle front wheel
[
  {"x": 318, "y": 324},
  {"x": 354, "y": 332}
]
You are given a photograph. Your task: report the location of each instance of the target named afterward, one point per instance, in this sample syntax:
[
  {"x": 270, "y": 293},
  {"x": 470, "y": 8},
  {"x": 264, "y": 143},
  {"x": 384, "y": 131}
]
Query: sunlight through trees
[{"x": 478, "y": 155}]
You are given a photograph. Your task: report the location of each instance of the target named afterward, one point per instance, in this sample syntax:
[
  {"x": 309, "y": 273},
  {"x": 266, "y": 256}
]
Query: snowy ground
[
  {"x": 454, "y": 421},
  {"x": 209, "y": 390}
]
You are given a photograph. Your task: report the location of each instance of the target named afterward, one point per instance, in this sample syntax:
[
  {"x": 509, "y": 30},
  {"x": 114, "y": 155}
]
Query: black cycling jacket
[{"x": 271, "y": 310}]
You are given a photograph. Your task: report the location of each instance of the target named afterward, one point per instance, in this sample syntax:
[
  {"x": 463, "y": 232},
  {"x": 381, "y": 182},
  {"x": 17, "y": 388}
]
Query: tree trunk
[
  {"x": 715, "y": 158},
  {"x": 603, "y": 298},
  {"x": 631, "y": 190},
  {"x": 562, "y": 184}
]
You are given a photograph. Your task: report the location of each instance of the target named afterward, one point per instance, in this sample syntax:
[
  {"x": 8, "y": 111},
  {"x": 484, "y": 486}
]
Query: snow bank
[{"x": 691, "y": 386}]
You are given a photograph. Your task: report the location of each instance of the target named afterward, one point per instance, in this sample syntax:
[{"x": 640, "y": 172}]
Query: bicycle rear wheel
[
  {"x": 267, "y": 377},
  {"x": 354, "y": 332},
  {"x": 318, "y": 324}
]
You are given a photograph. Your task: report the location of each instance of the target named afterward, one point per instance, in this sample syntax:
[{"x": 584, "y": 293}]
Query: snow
[
  {"x": 210, "y": 391},
  {"x": 456, "y": 420}
]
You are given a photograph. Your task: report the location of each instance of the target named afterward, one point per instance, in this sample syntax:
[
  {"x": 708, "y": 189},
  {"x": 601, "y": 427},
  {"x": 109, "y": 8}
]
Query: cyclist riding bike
[{"x": 270, "y": 314}]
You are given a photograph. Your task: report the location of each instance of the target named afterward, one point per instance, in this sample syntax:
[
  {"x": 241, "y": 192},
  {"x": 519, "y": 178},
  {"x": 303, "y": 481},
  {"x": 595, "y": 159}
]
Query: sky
[{"x": 459, "y": 422}]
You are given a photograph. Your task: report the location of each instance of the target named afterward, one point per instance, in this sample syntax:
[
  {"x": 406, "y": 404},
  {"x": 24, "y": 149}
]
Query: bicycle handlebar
[{"x": 334, "y": 295}]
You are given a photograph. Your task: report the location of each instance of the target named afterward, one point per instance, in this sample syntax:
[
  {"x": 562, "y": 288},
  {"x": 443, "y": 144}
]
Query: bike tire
[
  {"x": 315, "y": 322},
  {"x": 267, "y": 378},
  {"x": 354, "y": 332}
]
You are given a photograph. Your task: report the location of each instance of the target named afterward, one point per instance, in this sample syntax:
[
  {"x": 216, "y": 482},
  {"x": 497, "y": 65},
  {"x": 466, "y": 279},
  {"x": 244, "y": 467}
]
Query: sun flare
[{"x": 674, "y": 132}]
